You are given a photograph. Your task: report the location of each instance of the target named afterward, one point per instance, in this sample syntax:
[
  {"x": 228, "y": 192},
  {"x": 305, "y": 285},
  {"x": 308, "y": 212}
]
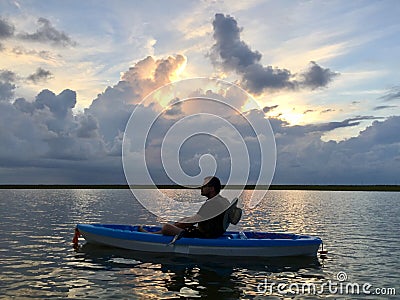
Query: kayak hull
[{"x": 247, "y": 244}]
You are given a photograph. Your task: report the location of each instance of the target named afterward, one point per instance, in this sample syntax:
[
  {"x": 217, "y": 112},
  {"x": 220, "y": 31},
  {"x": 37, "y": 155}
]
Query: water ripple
[{"x": 37, "y": 260}]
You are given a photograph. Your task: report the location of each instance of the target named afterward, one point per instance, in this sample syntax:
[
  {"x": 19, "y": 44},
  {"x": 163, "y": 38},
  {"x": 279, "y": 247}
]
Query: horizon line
[{"x": 321, "y": 187}]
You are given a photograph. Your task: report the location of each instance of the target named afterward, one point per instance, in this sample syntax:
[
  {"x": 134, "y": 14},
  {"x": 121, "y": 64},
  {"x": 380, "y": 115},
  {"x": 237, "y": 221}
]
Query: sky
[{"x": 325, "y": 74}]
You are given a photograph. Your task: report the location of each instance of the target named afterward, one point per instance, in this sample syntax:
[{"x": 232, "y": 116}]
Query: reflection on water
[
  {"x": 176, "y": 275},
  {"x": 37, "y": 261}
]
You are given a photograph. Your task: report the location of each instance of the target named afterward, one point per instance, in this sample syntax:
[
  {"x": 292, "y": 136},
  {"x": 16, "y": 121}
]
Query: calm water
[{"x": 359, "y": 229}]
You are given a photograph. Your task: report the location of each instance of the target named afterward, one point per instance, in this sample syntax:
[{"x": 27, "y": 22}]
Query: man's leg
[{"x": 167, "y": 229}]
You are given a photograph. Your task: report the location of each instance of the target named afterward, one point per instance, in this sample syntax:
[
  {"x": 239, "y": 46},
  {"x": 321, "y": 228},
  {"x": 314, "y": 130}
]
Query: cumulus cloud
[
  {"x": 45, "y": 142},
  {"x": 233, "y": 54},
  {"x": 40, "y": 75},
  {"x": 47, "y": 33},
  {"x": 7, "y": 85},
  {"x": 44, "y": 133},
  {"x": 369, "y": 158},
  {"x": 6, "y": 29},
  {"x": 7, "y": 76},
  {"x": 316, "y": 76},
  {"x": 113, "y": 107}
]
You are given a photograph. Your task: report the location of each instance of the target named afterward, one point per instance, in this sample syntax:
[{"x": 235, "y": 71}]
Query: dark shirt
[{"x": 212, "y": 228}]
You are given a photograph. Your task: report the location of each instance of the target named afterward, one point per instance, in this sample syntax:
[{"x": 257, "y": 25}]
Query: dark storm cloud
[
  {"x": 40, "y": 75},
  {"x": 316, "y": 76},
  {"x": 233, "y": 54},
  {"x": 6, "y": 29},
  {"x": 47, "y": 33}
]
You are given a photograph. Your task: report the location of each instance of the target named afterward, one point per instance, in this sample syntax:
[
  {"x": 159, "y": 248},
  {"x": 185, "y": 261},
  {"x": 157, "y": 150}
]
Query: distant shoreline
[{"x": 386, "y": 188}]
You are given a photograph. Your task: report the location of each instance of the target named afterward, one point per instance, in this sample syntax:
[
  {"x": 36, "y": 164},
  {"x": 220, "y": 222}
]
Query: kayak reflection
[{"x": 175, "y": 275}]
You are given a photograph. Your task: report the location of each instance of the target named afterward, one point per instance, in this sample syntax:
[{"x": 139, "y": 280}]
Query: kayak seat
[{"x": 232, "y": 215}]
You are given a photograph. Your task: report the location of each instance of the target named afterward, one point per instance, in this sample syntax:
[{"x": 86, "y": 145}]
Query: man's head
[{"x": 211, "y": 187}]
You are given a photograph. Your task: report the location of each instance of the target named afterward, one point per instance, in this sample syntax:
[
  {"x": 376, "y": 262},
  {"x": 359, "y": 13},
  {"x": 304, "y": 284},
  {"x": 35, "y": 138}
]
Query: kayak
[{"x": 235, "y": 244}]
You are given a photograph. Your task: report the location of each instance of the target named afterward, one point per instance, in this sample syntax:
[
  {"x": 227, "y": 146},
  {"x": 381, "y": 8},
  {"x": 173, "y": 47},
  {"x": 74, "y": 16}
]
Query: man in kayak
[{"x": 209, "y": 225}]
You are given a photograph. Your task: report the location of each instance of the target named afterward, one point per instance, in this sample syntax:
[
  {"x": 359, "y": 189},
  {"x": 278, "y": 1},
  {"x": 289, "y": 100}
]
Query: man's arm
[{"x": 187, "y": 221}]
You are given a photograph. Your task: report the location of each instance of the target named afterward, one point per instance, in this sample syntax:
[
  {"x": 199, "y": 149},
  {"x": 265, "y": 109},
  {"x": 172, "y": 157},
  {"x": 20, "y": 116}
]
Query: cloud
[
  {"x": 46, "y": 55},
  {"x": 325, "y": 127},
  {"x": 6, "y": 29},
  {"x": 47, "y": 143},
  {"x": 48, "y": 33},
  {"x": 369, "y": 158},
  {"x": 44, "y": 134},
  {"x": 136, "y": 83},
  {"x": 7, "y": 85},
  {"x": 60, "y": 105},
  {"x": 267, "y": 109},
  {"x": 40, "y": 75},
  {"x": 233, "y": 54},
  {"x": 316, "y": 76},
  {"x": 380, "y": 107},
  {"x": 327, "y": 110},
  {"x": 292, "y": 132},
  {"x": 7, "y": 76},
  {"x": 394, "y": 94}
]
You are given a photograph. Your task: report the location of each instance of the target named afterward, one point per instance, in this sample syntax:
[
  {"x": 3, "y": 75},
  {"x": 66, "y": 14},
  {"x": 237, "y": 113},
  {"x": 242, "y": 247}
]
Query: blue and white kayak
[{"x": 238, "y": 244}]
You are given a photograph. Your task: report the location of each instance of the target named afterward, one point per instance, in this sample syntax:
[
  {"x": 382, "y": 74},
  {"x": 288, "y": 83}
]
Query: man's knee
[{"x": 169, "y": 229}]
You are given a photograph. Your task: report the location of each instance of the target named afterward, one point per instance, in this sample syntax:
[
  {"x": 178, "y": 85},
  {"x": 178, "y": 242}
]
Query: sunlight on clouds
[
  {"x": 179, "y": 73},
  {"x": 290, "y": 106},
  {"x": 292, "y": 117}
]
